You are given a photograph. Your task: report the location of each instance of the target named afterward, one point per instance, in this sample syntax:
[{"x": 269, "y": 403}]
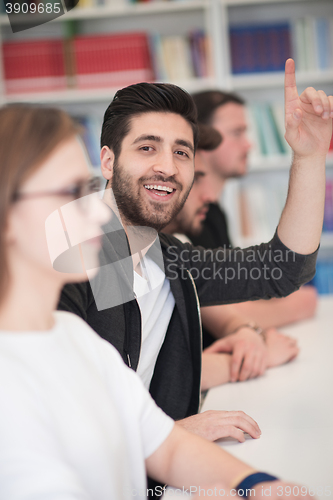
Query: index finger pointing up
[{"x": 290, "y": 89}]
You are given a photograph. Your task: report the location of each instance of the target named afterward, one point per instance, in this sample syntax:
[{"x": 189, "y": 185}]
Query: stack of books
[
  {"x": 79, "y": 61},
  {"x": 265, "y": 47},
  {"x": 260, "y": 48},
  {"x": 181, "y": 57},
  {"x": 266, "y": 124},
  {"x": 110, "y": 60},
  {"x": 33, "y": 66}
]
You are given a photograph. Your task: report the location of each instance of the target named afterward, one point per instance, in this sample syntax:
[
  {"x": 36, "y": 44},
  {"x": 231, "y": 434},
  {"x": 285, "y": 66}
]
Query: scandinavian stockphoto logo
[{"x": 27, "y": 14}]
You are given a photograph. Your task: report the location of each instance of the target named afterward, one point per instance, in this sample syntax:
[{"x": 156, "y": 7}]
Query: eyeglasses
[{"x": 79, "y": 192}]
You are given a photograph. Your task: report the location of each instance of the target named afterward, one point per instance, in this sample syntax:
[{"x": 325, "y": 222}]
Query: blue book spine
[
  {"x": 256, "y": 49},
  {"x": 323, "y": 43}
]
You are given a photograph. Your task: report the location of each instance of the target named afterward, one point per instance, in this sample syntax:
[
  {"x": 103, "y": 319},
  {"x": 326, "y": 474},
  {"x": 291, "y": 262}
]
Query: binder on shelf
[
  {"x": 328, "y": 209},
  {"x": 313, "y": 43},
  {"x": 34, "y": 66},
  {"x": 91, "y": 137},
  {"x": 177, "y": 58},
  {"x": 180, "y": 57},
  {"x": 267, "y": 129},
  {"x": 323, "y": 279},
  {"x": 265, "y": 48},
  {"x": 324, "y": 43},
  {"x": 112, "y": 60},
  {"x": 259, "y": 48}
]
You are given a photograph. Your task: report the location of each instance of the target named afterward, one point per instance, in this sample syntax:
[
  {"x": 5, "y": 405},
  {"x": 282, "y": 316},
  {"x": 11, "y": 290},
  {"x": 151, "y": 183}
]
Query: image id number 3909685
[{"x": 32, "y": 8}]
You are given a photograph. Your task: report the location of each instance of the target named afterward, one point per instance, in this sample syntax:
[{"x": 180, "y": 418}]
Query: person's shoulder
[
  {"x": 168, "y": 240},
  {"x": 83, "y": 335},
  {"x": 69, "y": 319}
]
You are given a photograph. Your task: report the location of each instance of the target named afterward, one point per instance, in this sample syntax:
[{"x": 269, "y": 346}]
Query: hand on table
[
  {"x": 281, "y": 348},
  {"x": 213, "y": 424},
  {"x": 307, "y": 117},
  {"x": 249, "y": 354}
]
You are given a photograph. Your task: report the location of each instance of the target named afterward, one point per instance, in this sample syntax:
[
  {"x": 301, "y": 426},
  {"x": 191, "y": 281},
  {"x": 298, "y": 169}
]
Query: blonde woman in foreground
[{"x": 75, "y": 422}]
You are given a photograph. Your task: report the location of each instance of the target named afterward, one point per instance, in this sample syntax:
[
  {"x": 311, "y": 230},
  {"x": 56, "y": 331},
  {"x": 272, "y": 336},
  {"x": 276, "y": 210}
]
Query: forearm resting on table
[
  {"x": 278, "y": 312},
  {"x": 221, "y": 320},
  {"x": 185, "y": 459},
  {"x": 215, "y": 369}
]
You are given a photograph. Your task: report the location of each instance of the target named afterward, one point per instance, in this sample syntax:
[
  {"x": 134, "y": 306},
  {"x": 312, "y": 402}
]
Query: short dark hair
[
  {"x": 208, "y": 101},
  {"x": 144, "y": 98},
  {"x": 209, "y": 137}
]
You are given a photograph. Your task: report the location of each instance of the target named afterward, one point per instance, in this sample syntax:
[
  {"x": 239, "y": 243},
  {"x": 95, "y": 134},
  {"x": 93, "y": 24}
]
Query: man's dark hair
[
  {"x": 209, "y": 137},
  {"x": 207, "y": 102},
  {"x": 144, "y": 98}
]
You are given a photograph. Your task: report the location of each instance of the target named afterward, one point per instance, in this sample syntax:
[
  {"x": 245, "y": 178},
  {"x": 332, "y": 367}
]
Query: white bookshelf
[
  {"x": 269, "y": 80},
  {"x": 215, "y": 18},
  {"x": 77, "y": 96}
]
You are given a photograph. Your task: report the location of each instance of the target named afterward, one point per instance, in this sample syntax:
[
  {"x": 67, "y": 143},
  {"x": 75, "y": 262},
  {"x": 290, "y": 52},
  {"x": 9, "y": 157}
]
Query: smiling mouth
[{"x": 159, "y": 190}]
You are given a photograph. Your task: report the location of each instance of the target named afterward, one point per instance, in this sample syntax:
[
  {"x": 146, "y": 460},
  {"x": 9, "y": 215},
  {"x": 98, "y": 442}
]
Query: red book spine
[
  {"x": 39, "y": 61},
  {"x": 126, "y": 54}
]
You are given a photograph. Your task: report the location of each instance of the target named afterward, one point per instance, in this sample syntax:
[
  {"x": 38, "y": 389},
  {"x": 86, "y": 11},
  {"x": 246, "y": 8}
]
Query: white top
[
  {"x": 182, "y": 237},
  {"x": 75, "y": 422},
  {"x": 156, "y": 303}
]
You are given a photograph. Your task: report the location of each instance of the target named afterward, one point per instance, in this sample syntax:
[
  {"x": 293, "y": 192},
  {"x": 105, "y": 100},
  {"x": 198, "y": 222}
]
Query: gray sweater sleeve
[{"x": 235, "y": 275}]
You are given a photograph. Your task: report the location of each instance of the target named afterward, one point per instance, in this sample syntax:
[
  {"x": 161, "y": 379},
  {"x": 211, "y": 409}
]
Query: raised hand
[{"x": 308, "y": 117}]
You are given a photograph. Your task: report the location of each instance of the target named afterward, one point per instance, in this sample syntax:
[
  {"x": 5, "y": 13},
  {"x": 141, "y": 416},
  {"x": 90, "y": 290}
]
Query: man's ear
[{"x": 107, "y": 162}]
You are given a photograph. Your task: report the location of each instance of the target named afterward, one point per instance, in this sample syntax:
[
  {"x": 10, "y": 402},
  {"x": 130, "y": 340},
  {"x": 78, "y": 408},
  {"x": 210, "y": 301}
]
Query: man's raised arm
[{"x": 308, "y": 119}]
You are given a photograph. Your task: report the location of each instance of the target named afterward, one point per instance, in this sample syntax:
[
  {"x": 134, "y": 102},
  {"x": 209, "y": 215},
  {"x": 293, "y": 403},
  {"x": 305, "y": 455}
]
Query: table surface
[{"x": 293, "y": 405}]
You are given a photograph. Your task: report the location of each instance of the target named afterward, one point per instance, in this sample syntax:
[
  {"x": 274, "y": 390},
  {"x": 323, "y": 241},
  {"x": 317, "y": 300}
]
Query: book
[
  {"x": 324, "y": 45},
  {"x": 177, "y": 58},
  {"x": 323, "y": 279},
  {"x": 259, "y": 48},
  {"x": 328, "y": 208},
  {"x": 266, "y": 126},
  {"x": 112, "y": 60},
  {"x": 265, "y": 48},
  {"x": 156, "y": 51},
  {"x": 313, "y": 43},
  {"x": 277, "y": 115},
  {"x": 180, "y": 57},
  {"x": 91, "y": 136},
  {"x": 33, "y": 66}
]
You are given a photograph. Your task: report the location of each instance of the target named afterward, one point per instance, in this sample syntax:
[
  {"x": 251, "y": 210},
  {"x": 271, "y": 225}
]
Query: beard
[
  {"x": 137, "y": 211},
  {"x": 187, "y": 224}
]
